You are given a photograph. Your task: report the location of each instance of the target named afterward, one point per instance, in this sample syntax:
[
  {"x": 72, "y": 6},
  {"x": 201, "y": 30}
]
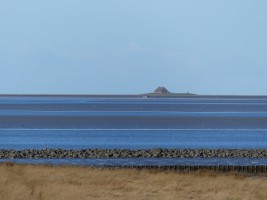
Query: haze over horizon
[{"x": 132, "y": 47}]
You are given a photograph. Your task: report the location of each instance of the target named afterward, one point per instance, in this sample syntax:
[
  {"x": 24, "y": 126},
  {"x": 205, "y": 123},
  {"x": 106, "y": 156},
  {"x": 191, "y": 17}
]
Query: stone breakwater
[{"x": 126, "y": 153}]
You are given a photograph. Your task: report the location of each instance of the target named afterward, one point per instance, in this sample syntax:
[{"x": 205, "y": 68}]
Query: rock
[{"x": 127, "y": 153}]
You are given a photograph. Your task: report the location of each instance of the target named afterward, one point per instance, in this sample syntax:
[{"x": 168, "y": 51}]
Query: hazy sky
[{"x": 126, "y": 46}]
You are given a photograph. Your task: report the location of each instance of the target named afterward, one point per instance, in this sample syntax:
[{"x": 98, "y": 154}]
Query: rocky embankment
[{"x": 126, "y": 153}]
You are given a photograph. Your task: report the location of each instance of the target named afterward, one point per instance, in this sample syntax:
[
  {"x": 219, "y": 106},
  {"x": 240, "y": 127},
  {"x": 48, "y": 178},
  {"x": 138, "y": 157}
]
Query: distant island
[{"x": 164, "y": 92}]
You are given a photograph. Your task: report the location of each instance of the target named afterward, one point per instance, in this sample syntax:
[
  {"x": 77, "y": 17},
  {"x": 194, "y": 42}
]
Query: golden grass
[{"x": 25, "y": 182}]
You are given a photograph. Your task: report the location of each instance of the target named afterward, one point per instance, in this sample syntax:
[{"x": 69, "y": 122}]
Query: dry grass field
[{"x": 26, "y": 182}]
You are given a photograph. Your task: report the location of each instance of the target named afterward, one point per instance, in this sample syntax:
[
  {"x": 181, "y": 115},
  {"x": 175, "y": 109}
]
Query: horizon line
[{"x": 136, "y": 95}]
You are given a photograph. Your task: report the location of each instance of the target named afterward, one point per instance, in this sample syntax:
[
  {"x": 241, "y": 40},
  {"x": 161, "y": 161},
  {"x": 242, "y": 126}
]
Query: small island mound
[{"x": 163, "y": 91}]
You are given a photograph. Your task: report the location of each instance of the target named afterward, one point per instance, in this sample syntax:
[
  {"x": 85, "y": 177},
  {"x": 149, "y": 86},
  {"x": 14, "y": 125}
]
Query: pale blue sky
[{"x": 126, "y": 46}]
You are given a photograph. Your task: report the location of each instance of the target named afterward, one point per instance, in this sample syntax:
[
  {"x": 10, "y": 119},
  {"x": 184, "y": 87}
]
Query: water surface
[{"x": 132, "y": 123}]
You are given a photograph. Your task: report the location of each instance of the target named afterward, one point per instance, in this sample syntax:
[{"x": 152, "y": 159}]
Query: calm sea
[{"x": 133, "y": 123}]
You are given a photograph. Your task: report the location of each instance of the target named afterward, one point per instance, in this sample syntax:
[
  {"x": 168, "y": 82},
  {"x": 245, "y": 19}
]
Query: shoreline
[{"x": 128, "y": 153}]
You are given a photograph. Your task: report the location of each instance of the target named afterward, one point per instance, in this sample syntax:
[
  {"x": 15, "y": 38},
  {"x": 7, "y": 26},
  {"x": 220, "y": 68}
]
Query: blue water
[
  {"x": 133, "y": 123},
  {"x": 132, "y": 139},
  {"x": 145, "y": 161}
]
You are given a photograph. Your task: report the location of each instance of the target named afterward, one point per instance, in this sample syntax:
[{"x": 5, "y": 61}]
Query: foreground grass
[{"x": 55, "y": 182}]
